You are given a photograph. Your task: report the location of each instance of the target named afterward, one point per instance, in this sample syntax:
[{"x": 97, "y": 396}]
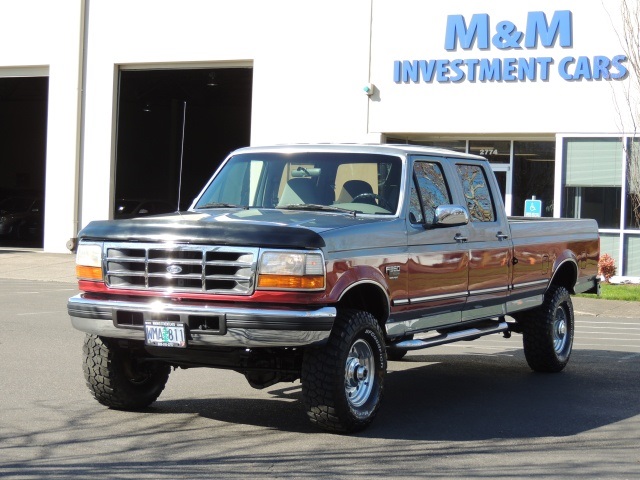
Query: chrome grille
[{"x": 184, "y": 268}]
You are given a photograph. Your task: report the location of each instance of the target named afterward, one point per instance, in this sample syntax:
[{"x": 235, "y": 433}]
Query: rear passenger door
[
  {"x": 437, "y": 260},
  {"x": 488, "y": 243}
]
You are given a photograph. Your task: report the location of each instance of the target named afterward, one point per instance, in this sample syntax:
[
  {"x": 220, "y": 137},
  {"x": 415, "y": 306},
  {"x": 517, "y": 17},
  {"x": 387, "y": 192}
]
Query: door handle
[
  {"x": 460, "y": 239},
  {"x": 501, "y": 236}
]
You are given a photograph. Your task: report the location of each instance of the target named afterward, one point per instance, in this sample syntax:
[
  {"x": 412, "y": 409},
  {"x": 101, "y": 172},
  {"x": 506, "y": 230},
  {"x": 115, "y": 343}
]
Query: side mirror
[{"x": 451, "y": 216}]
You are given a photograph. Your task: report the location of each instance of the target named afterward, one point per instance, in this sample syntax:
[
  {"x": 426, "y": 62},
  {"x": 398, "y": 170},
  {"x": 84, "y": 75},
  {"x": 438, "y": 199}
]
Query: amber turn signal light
[
  {"x": 88, "y": 273},
  {"x": 295, "y": 282}
]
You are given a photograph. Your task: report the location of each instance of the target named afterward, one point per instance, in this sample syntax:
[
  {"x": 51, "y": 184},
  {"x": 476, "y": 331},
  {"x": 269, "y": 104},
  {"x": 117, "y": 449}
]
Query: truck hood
[{"x": 252, "y": 227}]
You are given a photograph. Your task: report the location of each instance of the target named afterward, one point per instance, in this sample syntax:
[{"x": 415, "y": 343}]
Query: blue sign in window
[{"x": 533, "y": 208}]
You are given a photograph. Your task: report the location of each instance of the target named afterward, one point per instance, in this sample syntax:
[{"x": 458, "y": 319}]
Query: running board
[{"x": 469, "y": 334}]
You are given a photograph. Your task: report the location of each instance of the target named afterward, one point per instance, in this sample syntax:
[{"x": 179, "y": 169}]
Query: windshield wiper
[
  {"x": 219, "y": 205},
  {"x": 316, "y": 207}
]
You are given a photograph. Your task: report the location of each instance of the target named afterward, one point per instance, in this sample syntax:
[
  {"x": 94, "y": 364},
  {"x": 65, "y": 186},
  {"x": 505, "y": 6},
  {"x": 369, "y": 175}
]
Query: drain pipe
[{"x": 72, "y": 243}]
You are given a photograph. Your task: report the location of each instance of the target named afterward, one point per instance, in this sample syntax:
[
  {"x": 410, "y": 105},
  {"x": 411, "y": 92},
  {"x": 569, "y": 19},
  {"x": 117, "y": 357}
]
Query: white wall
[
  {"x": 310, "y": 60},
  {"x": 40, "y": 36},
  {"x": 310, "y": 64},
  {"x": 415, "y": 30}
]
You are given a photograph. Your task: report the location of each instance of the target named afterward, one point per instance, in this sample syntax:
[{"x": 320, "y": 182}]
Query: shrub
[{"x": 606, "y": 266}]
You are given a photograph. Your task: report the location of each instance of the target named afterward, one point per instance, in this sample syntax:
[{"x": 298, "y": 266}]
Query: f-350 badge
[{"x": 393, "y": 272}]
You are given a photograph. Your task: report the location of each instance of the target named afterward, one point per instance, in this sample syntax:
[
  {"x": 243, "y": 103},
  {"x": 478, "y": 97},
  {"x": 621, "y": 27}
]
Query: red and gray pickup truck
[{"x": 320, "y": 263}]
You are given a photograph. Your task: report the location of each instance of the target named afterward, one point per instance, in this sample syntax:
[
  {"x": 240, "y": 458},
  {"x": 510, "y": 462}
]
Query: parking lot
[{"x": 470, "y": 410}]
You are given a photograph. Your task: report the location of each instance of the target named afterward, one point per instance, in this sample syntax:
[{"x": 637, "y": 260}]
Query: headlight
[
  {"x": 291, "y": 271},
  {"x": 89, "y": 261}
]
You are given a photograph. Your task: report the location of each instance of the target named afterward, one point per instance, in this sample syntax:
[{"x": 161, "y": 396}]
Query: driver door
[{"x": 438, "y": 261}]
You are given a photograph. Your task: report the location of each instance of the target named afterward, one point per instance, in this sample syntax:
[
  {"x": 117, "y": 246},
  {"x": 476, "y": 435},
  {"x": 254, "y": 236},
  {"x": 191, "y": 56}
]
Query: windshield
[{"x": 334, "y": 181}]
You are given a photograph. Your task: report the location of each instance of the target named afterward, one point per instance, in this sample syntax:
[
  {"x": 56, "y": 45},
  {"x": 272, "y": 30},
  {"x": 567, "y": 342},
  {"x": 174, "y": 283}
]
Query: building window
[
  {"x": 632, "y": 214},
  {"x": 533, "y": 160},
  {"x": 632, "y": 255},
  {"x": 600, "y": 203},
  {"x": 496, "y": 151},
  {"x": 610, "y": 244},
  {"x": 593, "y": 180},
  {"x": 455, "y": 145},
  {"x": 533, "y": 175},
  {"x": 632, "y": 218}
]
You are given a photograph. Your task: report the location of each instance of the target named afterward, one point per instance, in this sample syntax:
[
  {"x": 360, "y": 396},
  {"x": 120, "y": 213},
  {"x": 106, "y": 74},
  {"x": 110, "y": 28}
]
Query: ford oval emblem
[{"x": 174, "y": 269}]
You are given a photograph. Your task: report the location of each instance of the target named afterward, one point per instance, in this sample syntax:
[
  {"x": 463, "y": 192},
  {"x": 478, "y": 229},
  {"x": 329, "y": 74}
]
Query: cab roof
[{"x": 381, "y": 149}]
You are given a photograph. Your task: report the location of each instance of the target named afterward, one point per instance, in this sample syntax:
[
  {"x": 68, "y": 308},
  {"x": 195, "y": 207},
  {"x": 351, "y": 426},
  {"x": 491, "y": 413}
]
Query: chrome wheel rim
[
  {"x": 359, "y": 373},
  {"x": 560, "y": 330}
]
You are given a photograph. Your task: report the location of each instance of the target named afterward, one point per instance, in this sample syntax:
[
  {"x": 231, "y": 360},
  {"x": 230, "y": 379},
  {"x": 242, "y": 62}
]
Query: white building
[{"x": 105, "y": 100}]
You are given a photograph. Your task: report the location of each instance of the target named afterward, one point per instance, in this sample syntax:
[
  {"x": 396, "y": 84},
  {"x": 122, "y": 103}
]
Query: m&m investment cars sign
[{"x": 507, "y": 37}]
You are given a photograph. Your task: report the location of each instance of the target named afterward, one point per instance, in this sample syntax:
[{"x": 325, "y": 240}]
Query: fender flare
[
  {"x": 358, "y": 276},
  {"x": 561, "y": 264}
]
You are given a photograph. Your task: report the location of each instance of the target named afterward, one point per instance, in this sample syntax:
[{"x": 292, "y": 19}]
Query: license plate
[{"x": 164, "y": 334}]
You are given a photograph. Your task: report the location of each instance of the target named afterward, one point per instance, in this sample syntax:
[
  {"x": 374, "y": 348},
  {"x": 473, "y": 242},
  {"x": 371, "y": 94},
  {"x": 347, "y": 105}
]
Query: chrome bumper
[{"x": 236, "y": 327}]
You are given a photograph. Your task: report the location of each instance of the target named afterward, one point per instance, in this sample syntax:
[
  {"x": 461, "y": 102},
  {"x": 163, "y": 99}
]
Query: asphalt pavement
[
  {"x": 60, "y": 267},
  {"x": 464, "y": 410}
]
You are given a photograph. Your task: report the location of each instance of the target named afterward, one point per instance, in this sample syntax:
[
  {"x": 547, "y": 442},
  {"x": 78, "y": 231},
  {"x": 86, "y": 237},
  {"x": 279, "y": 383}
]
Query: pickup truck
[{"x": 320, "y": 263}]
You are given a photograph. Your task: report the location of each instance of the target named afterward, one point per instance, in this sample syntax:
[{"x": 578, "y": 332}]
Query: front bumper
[{"x": 234, "y": 326}]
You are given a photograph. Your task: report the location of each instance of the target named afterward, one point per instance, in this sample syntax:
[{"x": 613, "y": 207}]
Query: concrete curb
[
  {"x": 38, "y": 266},
  {"x": 606, "y": 308}
]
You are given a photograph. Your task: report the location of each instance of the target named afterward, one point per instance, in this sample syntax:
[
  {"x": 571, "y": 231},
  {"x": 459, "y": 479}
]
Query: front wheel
[
  {"x": 548, "y": 332},
  {"x": 342, "y": 382},
  {"x": 117, "y": 378}
]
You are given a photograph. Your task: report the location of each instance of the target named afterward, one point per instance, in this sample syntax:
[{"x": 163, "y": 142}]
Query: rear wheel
[
  {"x": 548, "y": 332},
  {"x": 342, "y": 383},
  {"x": 117, "y": 378}
]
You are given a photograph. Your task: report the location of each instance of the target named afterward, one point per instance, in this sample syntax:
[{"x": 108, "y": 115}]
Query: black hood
[{"x": 253, "y": 227}]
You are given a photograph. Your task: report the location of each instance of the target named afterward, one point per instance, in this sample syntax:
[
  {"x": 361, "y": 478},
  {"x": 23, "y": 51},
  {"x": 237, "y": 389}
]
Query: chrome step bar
[{"x": 469, "y": 334}]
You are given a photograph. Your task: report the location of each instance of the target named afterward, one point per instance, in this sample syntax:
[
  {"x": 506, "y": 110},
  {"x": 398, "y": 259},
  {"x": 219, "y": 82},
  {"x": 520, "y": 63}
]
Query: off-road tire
[
  {"x": 343, "y": 381},
  {"x": 547, "y": 332},
  {"x": 117, "y": 379}
]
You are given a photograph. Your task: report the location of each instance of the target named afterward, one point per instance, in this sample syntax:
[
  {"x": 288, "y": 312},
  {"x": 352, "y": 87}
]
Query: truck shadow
[
  {"x": 463, "y": 397},
  {"x": 467, "y": 397}
]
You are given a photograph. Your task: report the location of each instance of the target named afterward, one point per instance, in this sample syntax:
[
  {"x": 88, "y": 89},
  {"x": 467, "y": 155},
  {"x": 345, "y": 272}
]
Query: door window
[
  {"x": 476, "y": 193},
  {"x": 430, "y": 193}
]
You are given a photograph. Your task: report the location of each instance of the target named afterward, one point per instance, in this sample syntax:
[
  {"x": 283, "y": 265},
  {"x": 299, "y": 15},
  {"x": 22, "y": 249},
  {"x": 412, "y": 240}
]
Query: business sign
[
  {"x": 524, "y": 65},
  {"x": 533, "y": 208}
]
